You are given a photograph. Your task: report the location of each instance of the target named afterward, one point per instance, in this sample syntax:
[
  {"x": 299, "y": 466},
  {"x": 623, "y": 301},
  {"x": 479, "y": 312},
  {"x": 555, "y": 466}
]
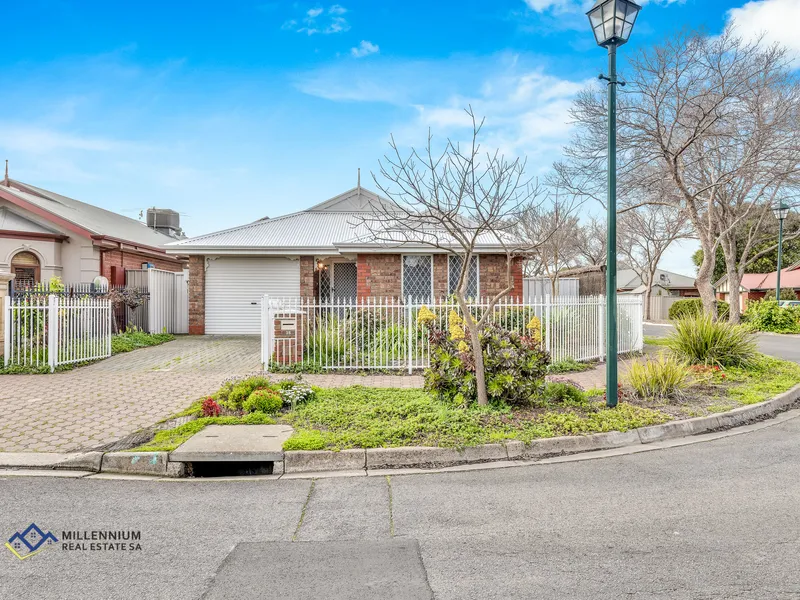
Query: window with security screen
[
  {"x": 418, "y": 277},
  {"x": 454, "y": 272}
]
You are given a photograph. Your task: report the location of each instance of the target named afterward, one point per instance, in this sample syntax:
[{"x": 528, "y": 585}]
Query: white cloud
[
  {"x": 776, "y": 19},
  {"x": 556, "y": 5},
  {"x": 365, "y": 48},
  {"x": 320, "y": 20}
]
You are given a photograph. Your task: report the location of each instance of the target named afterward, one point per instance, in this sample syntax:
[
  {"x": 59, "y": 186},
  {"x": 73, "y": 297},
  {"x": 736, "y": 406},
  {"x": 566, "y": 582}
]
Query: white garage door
[{"x": 235, "y": 285}]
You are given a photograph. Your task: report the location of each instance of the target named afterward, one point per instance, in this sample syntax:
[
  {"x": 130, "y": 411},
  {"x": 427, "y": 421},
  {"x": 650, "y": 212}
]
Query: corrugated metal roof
[
  {"x": 628, "y": 279},
  {"x": 338, "y": 223},
  {"x": 92, "y": 218}
]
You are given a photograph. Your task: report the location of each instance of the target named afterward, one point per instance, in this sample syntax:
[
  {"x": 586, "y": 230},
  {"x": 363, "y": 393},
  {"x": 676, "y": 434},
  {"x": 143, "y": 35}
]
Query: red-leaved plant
[{"x": 211, "y": 408}]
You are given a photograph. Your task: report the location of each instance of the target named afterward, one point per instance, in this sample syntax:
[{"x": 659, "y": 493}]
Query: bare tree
[
  {"x": 644, "y": 235},
  {"x": 455, "y": 201},
  {"x": 591, "y": 242},
  {"x": 551, "y": 234},
  {"x": 684, "y": 119}
]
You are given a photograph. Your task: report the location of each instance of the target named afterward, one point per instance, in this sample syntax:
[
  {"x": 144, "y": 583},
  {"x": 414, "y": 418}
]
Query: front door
[{"x": 345, "y": 281}]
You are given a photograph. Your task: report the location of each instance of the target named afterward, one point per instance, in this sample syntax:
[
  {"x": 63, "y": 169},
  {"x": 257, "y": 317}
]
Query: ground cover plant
[
  {"x": 359, "y": 417},
  {"x": 133, "y": 338}
]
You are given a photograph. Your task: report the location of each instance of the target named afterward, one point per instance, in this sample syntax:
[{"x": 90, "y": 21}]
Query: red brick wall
[
  {"x": 439, "y": 276},
  {"x": 307, "y": 287},
  {"x": 197, "y": 295},
  {"x": 689, "y": 293},
  {"x": 124, "y": 259},
  {"x": 379, "y": 275},
  {"x": 492, "y": 270},
  {"x": 382, "y": 274}
]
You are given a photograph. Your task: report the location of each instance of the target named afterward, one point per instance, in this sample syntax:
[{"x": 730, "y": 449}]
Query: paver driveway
[{"x": 95, "y": 405}]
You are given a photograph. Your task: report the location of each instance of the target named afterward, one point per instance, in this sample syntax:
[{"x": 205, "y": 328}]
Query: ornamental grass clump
[
  {"x": 701, "y": 340},
  {"x": 659, "y": 379}
]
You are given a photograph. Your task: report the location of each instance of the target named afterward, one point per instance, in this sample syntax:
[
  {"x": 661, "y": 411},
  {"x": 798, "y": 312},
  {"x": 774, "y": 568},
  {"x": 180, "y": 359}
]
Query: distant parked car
[{"x": 789, "y": 303}]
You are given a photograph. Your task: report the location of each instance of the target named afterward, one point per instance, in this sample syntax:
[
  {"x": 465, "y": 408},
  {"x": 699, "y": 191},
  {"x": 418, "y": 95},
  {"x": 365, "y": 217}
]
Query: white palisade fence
[
  {"x": 55, "y": 330},
  {"x": 383, "y": 333}
]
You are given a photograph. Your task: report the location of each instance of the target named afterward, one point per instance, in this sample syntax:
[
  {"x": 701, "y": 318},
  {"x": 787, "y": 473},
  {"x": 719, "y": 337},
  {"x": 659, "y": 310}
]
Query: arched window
[{"x": 26, "y": 267}]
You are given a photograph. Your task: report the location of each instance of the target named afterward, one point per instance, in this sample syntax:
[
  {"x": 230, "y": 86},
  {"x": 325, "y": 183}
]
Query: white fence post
[
  {"x": 408, "y": 343},
  {"x": 601, "y": 328},
  {"x": 548, "y": 325},
  {"x": 53, "y": 327},
  {"x": 267, "y": 325},
  {"x": 6, "y": 329}
]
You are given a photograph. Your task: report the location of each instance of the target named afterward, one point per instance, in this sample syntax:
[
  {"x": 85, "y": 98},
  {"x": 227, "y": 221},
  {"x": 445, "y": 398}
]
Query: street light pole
[
  {"x": 780, "y": 258},
  {"x": 612, "y": 23},
  {"x": 611, "y": 234}
]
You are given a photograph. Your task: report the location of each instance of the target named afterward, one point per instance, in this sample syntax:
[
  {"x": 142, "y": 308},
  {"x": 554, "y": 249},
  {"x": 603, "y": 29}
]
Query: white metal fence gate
[
  {"x": 168, "y": 300},
  {"x": 54, "y": 330},
  {"x": 383, "y": 333}
]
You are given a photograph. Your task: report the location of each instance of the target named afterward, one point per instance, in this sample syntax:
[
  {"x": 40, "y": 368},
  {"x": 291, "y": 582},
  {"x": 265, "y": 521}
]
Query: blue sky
[{"x": 228, "y": 112}]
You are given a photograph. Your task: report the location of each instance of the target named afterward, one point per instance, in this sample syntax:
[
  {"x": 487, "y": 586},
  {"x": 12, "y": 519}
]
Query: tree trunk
[
  {"x": 734, "y": 279},
  {"x": 703, "y": 280},
  {"x": 477, "y": 352},
  {"x": 648, "y": 292},
  {"x": 480, "y": 375}
]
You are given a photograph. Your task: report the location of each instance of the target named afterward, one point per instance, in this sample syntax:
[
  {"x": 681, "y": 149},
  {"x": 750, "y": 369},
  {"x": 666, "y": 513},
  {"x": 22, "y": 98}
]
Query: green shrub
[
  {"x": 703, "y": 341},
  {"x": 558, "y": 392},
  {"x": 768, "y": 315},
  {"x": 265, "y": 401},
  {"x": 514, "y": 365},
  {"x": 693, "y": 307},
  {"x": 296, "y": 392},
  {"x": 568, "y": 365},
  {"x": 660, "y": 378},
  {"x": 237, "y": 392}
]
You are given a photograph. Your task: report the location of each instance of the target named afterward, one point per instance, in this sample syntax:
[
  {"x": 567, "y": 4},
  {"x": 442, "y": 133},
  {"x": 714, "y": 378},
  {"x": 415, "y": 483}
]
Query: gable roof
[
  {"x": 338, "y": 224},
  {"x": 628, "y": 279},
  {"x": 790, "y": 278},
  {"x": 80, "y": 217}
]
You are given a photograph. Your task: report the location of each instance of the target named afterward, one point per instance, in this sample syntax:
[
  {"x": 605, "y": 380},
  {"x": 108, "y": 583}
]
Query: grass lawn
[{"x": 655, "y": 341}]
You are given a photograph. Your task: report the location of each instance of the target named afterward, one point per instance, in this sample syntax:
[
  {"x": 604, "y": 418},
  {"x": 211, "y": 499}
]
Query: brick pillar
[
  {"x": 197, "y": 295},
  {"x": 307, "y": 268},
  {"x": 288, "y": 350},
  {"x": 4, "y": 279},
  {"x": 439, "y": 276}
]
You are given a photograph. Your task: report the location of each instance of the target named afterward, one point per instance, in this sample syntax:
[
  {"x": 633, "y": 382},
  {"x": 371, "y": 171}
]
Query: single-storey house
[
  {"x": 44, "y": 234},
  {"x": 325, "y": 252},
  {"x": 755, "y": 286},
  {"x": 665, "y": 283}
]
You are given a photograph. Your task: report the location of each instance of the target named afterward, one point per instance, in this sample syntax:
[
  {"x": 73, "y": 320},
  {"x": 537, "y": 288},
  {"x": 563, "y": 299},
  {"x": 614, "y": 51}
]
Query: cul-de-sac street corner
[{"x": 354, "y": 300}]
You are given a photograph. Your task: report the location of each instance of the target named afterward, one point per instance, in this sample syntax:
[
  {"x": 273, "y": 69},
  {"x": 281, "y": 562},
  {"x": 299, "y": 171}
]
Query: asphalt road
[
  {"x": 709, "y": 520},
  {"x": 782, "y": 346}
]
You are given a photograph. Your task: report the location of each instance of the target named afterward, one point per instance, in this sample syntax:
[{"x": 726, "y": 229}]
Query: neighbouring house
[
  {"x": 665, "y": 283},
  {"x": 44, "y": 234},
  {"x": 755, "y": 286},
  {"x": 324, "y": 252}
]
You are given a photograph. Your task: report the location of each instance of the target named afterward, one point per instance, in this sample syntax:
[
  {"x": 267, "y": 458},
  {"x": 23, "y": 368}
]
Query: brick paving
[{"x": 92, "y": 406}]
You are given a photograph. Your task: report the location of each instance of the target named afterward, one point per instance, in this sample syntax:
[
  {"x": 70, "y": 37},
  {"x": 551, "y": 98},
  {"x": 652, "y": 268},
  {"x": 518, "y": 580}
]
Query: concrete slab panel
[
  {"x": 218, "y": 443},
  {"x": 339, "y": 570}
]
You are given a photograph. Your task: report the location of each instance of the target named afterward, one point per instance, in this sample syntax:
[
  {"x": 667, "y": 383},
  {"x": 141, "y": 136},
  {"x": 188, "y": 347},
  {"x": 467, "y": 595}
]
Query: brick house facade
[
  {"x": 379, "y": 276},
  {"x": 114, "y": 263},
  {"x": 324, "y": 252}
]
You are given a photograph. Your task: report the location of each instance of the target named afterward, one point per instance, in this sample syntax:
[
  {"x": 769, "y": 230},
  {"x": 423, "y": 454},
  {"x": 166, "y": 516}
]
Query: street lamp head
[
  {"x": 612, "y": 21},
  {"x": 781, "y": 211}
]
